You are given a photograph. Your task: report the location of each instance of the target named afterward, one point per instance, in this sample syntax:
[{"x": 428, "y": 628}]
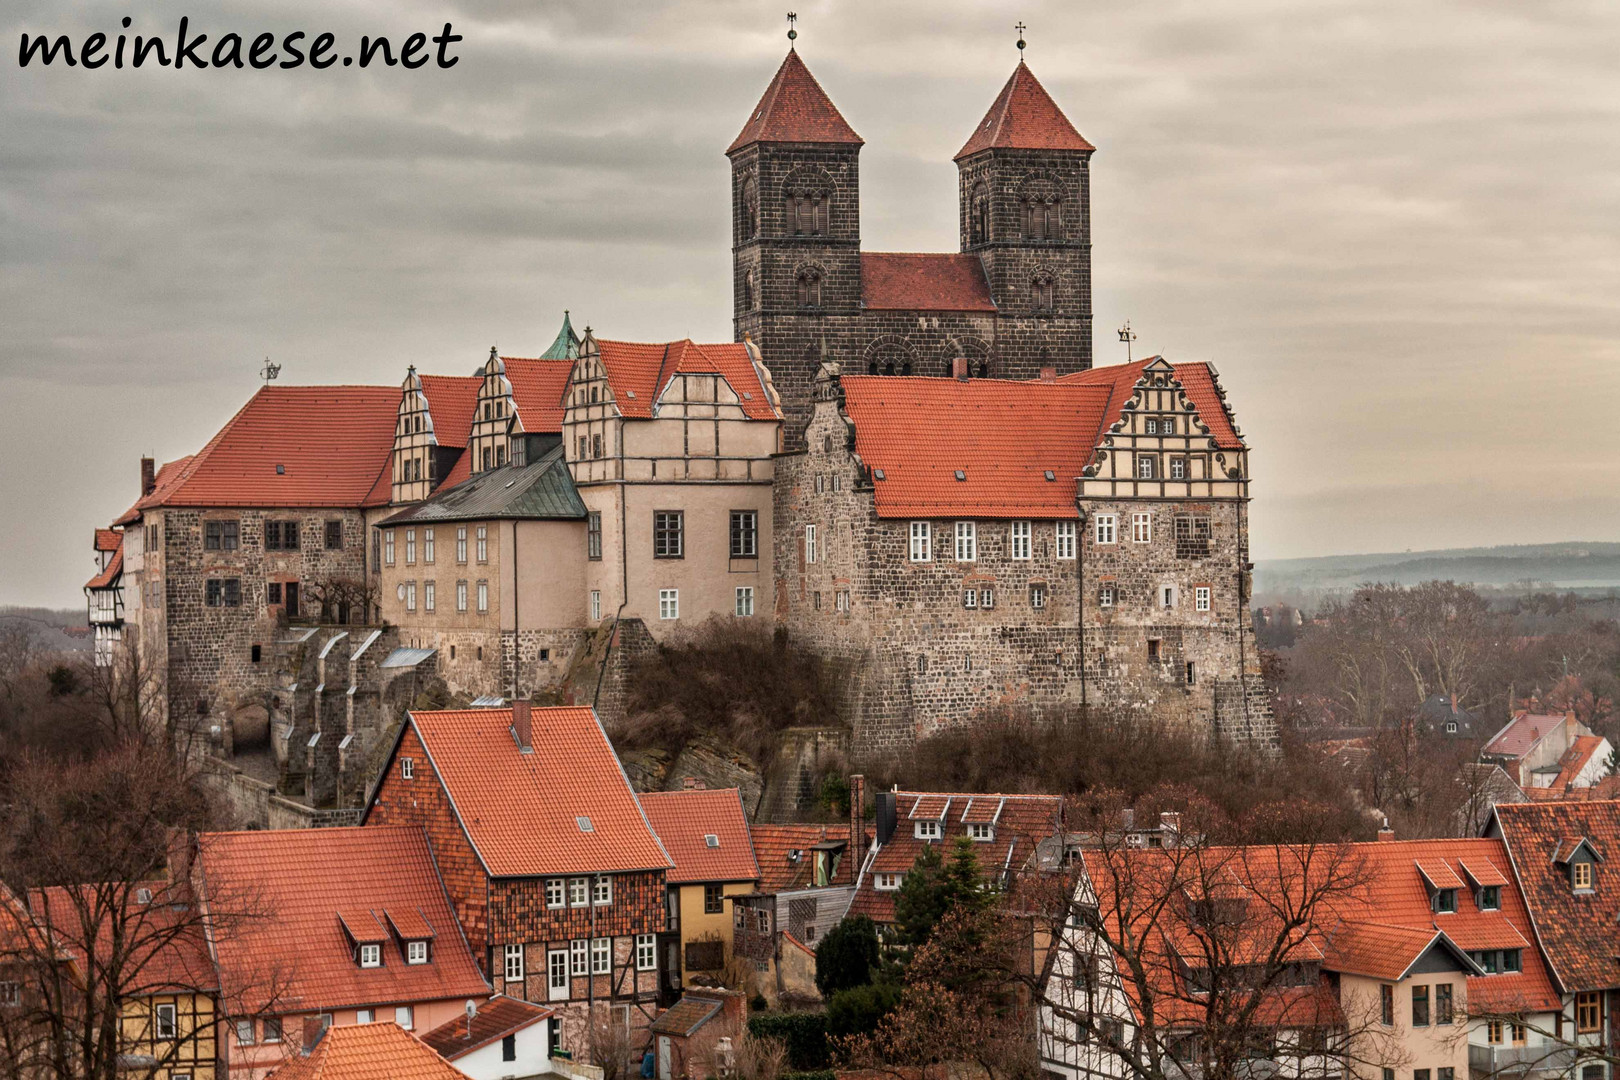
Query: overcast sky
[{"x": 1391, "y": 224}]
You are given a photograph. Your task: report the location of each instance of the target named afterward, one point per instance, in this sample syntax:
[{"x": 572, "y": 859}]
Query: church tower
[
  {"x": 1025, "y": 189},
  {"x": 796, "y": 225}
]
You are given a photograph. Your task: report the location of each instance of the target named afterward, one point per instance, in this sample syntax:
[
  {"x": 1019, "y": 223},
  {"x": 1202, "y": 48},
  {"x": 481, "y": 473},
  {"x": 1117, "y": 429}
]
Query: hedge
[{"x": 805, "y": 1036}]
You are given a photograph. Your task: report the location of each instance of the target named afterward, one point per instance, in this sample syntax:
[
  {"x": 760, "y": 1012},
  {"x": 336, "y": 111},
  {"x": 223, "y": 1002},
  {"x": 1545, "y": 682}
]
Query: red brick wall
[{"x": 423, "y": 801}]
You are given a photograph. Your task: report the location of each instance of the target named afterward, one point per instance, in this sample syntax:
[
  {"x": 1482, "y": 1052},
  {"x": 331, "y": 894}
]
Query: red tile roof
[
  {"x": 380, "y": 1051},
  {"x": 783, "y": 853},
  {"x": 331, "y": 444},
  {"x": 1197, "y": 381},
  {"x": 1577, "y": 932},
  {"x": 638, "y": 373},
  {"x": 109, "y": 539},
  {"x": 538, "y": 387},
  {"x": 565, "y": 808},
  {"x": 291, "y": 885},
  {"x": 1024, "y": 117},
  {"x": 161, "y": 949},
  {"x": 1523, "y": 732},
  {"x": 894, "y": 281},
  {"x": 684, "y": 820},
  {"x": 1024, "y": 821},
  {"x": 795, "y": 109},
  {"x": 495, "y": 1019},
  {"x": 167, "y": 477},
  {"x": 115, "y": 565}
]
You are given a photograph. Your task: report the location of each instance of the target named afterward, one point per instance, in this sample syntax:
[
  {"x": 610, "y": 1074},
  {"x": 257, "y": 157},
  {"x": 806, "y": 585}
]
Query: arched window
[
  {"x": 750, "y": 291},
  {"x": 1041, "y": 288},
  {"x": 979, "y": 214},
  {"x": 890, "y": 359},
  {"x": 749, "y": 210},
  {"x": 810, "y": 287},
  {"x": 1041, "y": 217},
  {"x": 808, "y": 212}
]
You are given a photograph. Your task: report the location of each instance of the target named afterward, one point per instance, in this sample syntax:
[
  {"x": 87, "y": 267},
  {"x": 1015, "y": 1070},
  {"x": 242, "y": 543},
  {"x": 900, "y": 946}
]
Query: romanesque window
[
  {"x": 1065, "y": 540},
  {"x": 967, "y": 541},
  {"x": 750, "y": 291},
  {"x": 1019, "y": 535},
  {"x": 744, "y": 534},
  {"x": 808, "y": 212},
  {"x": 669, "y": 538},
  {"x": 1041, "y": 292},
  {"x": 593, "y": 536},
  {"x": 979, "y": 214},
  {"x": 922, "y": 541},
  {"x": 1192, "y": 536},
  {"x": 748, "y": 209},
  {"x": 810, "y": 287},
  {"x": 1041, "y": 217}
]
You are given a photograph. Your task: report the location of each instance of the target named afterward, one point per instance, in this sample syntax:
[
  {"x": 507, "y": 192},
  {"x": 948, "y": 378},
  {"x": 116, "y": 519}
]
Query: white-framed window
[
  {"x": 461, "y": 596},
  {"x": 1178, "y": 468},
  {"x": 809, "y": 543},
  {"x": 887, "y": 882},
  {"x": 407, "y": 768},
  {"x": 483, "y": 543},
  {"x": 428, "y": 601},
  {"x": 163, "y": 1021},
  {"x": 427, "y": 545},
  {"x": 554, "y": 892},
  {"x": 1019, "y": 535},
  {"x": 601, "y": 956},
  {"x": 272, "y": 1029},
  {"x": 1147, "y": 466},
  {"x": 602, "y": 891},
  {"x": 1107, "y": 526},
  {"x": 646, "y": 952},
  {"x": 483, "y": 597},
  {"x": 557, "y": 975},
  {"x": 745, "y": 601},
  {"x": 579, "y": 892},
  {"x": 1192, "y": 674},
  {"x": 370, "y": 956},
  {"x": 596, "y": 605},
  {"x": 669, "y": 603},
  {"x": 1167, "y": 596},
  {"x": 579, "y": 956},
  {"x": 927, "y": 829},
  {"x": 1106, "y": 596},
  {"x": 1142, "y": 528},
  {"x": 982, "y": 831},
  {"x": 416, "y": 952},
  {"x": 410, "y": 547},
  {"x": 970, "y": 598},
  {"x": 1064, "y": 540},
  {"x": 405, "y": 1016},
  {"x": 922, "y": 541},
  {"x": 841, "y": 601},
  {"x": 244, "y": 1032},
  {"x": 1037, "y": 596},
  {"x": 1201, "y": 597},
  {"x": 512, "y": 965},
  {"x": 362, "y": 1016},
  {"x": 410, "y": 596},
  {"x": 967, "y": 541},
  {"x": 388, "y": 547},
  {"x": 461, "y": 544}
]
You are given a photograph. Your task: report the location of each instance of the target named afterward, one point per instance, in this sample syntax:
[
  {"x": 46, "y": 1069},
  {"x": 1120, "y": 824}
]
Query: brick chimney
[
  {"x": 857, "y": 818},
  {"x": 1048, "y": 374},
  {"x": 148, "y": 476},
  {"x": 1385, "y": 832},
  {"x": 959, "y": 368},
  {"x": 522, "y": 725},
  {"x": 314, "y": 1028}
]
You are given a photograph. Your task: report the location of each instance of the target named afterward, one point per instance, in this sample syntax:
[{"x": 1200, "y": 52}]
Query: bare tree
[{"x": 339, "y": 599}]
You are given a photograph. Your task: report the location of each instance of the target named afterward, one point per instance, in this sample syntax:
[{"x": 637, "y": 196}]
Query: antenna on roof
[
  {"x": 269, "y": 372},
  {"x": 1020, "y": 28},
  {"x": 1127, "y": 335},
  {"x": 792, "y": 33}
]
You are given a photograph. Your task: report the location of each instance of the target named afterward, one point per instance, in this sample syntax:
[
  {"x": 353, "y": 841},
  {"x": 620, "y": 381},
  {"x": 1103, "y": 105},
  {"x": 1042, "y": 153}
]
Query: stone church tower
[{"x": 1015, "y": 300}]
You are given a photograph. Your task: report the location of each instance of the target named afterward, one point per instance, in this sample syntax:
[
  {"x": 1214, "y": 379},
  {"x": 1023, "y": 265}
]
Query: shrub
[
  {"x": 847, "y": 956},
  {"x": 859, "y": 1010},
  {"x": 803, "y": 1033}
]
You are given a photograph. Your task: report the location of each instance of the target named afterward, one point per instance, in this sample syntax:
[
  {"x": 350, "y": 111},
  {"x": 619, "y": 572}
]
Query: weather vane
[
  {"x": 1127, "y": 335},
  {"x": 1020, "y": 28},
  {"x": 269, "y": 371},
  {"x": 793, "y": 17}
]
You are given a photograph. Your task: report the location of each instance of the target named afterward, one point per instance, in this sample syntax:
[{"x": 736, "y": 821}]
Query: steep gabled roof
[
  {"x": 684, "y": 820},
  {"x": 896, "y": 281},
  {"x": 794, "y": 109},
  {"x": 115, "y": 565},
  {"x": 379, "y": 1051},
  {"x": 1023, "y": 117},
  {"x": 639, "y": 372},
  {"x": 538, "y": 387},
  {"x": 167, "y": 477},
  {"x": 1196, "y": 379},
  {"x": 109, "y": 539},
  {"x": 1523, "y": 732}
]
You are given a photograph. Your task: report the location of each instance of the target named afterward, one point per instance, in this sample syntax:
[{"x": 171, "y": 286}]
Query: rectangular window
[
  {"x": 646, "y": 952},
  {"x": 669, "y": 534},
  {"x": 376, "y": 550},
  {"x": 967, "y": 541},
  {"x": 1146, "y": 466},
  {"x": 483, "y": 543},
  {"x": 596, "y": 605},
  {"x": 1420, "y": 1074},
  {"x": 601, "y": 956},
  {"x": 1142, "y": 528},
  {"x": 669, "y": 603},
  {"x": 579, "y": 956},
  {"x": 483, "y": 597},
  {"x": 427, "y": 545},
  {"x": 1106, "y": 528},
  {"x": 745, "y": 601},
  {"x": 602, "y": 891},
  {"x": 1581, "y": 875},
  {"x": 1019, "y": 540},
  {"x": 1442, "y": 1003},
  {"x": 281, "y": 536},
  {"x": 809, "y": 543},
  {"x": 886, "y": 882},
  {"x": 410, "y": 596},
  {"x": 744, "y": 534},
  {"x": 407, "y": 768},
  {"x": 970, "y": 598},
  {"x": 841, "y": 600},
  {"x": 334, "y": 536},
  {"x": 1106, "y": 595},
  {"x": 410, "y": 547},
  {"x": 271, "y": 1029},
  {"x": 461, "y": 596},
  {"x": 364, "y": 1016},
  {"x": 1588, "y": 1011},
  {"x": 554, "y": 892},
  {"x": 165, "y": 1022},
  {"x": 1493, "y": 1032},
  {"x": 1386, "y": 994},
  {"x": 405, "y": 1016},
  {"x": 593, "y": 535},
  {"x": 1167, "y": 596},
  {"x": 1490, "y": 897},
  {"x": 427, "y": 596},
  {"x": 1445, "y": 901},
  {"x": 556, "y": 982},
  {"x": 1065, "y": 540},
  {"x": 927, "y": 830},
  {"x": 922, "y": 541},
  {"x": 1192, "y": 536},
  {"x": 388, "y": 547},
  {"x": 221, "y": 536},
  {"x": 1420, "y": 1006},
  {"x": 416, "y": 952},
  {"x": 579, "y": 891},
  {"x": 987, "y": 598},
  {"x": 244, "y": 1033},
  {"x": 1201, "y": 597},
  {"x": 370, "y": 956},
  {"x": 461, "y": 544},
  {"x": 1037, "y": 596},
  {"x": 1192, "y": 673},
  {"x": 982, "y": 831},
  {"x": 513, "y": 963},
  {"x": 596, "y": 446},
  {"x": 713, "y": 902},
  {"x": 1178, "y": 468}
]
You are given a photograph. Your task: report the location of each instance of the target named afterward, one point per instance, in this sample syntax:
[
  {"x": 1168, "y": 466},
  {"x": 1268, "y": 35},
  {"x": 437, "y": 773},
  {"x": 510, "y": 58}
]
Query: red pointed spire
[
  {"x": 1024, "y": 117},
  {"x": 795, "y": 109}
]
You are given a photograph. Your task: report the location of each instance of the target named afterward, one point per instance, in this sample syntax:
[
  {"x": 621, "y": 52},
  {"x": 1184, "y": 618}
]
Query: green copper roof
[
  {"x": 542, "y": 490},
  {"x": 566, "y": 347}
]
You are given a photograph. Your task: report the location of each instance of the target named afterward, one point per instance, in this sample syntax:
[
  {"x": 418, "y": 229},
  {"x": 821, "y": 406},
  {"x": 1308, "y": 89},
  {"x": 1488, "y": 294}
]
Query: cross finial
[
  {"x": 793, "y": 17},
  {"x": 1020, "y": 28}
]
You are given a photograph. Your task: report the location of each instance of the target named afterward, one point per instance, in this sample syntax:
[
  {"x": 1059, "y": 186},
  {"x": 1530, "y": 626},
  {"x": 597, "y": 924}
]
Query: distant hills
[{"x": 1582, "y": 567}]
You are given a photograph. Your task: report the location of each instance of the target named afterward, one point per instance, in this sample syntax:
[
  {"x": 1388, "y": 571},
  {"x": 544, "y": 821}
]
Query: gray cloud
[{"x": 1392, "y": 226}]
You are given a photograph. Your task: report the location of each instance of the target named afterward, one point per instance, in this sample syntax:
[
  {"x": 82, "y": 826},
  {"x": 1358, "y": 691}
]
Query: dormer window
[
  {"x": 1582, "y": 877},
  {"x": 887, "y": 882},
  {"x": 982, "y": 831},
  {"x": 370, "y": 956},
  {"x": 416, "y": 952},
  {"x": 1490, "y": 897},
  {"x": 927, "y": 830},
  {"x": 1445, "y": 901}
]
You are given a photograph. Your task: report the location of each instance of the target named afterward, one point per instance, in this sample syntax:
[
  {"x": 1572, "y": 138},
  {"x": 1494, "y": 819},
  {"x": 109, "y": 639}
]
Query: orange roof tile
[
  {"x": 565, "y": 808},
  {"x": 538, "y": 387},
  {"x": 161, "y": 949},
  {"x": 1197, "y": 381},
  {"x": 409, "y": 924},
  {"x": 496, "y": 1018},
  {"x": 1377, "y": 950},
  {"x": 895, "y": 281},
  {"x": 1522, "y": 732},
  {"x": 684, "y": 821},
  {"x": 783, "y": 854},
  {"x": 638, "y": 373},
  {"x": 1481, "y": 871},
  {"x": 109, "y": 539},
  {"x": 1024, "y": 117},
  {"x": 291, "y": 949},
  {"x": 380, "y": 1051},
  {"x": 794, "y": 109},
  {"x": 115, "y": 567},
  {"x": 1438, "y": 874},
  {"x": 167, "y": 477}
]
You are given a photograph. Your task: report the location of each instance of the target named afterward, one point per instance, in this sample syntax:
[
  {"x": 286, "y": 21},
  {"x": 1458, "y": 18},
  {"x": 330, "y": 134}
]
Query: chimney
[
  {"x": 857, "y": 818},
  {"x": 885, "y": 816},
  {"x": 1385, "y": 832},
  {"x": 1048, "y": 374},
  {"x": 148, "y": 476},
  {"x": 314, "y": 1028},
  {"x": 522, "y": 729},
  {"x": 959, "y": 368}
]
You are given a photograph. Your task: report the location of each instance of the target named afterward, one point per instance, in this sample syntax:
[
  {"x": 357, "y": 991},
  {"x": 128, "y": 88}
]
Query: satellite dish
[{"x": 472, "y": 1008}]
